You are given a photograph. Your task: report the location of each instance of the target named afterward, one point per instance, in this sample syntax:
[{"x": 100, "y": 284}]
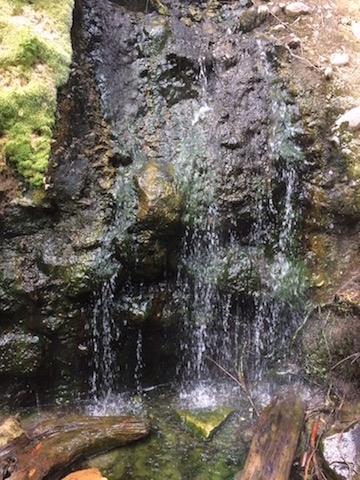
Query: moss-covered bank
[{"x": 34, "y": 61}]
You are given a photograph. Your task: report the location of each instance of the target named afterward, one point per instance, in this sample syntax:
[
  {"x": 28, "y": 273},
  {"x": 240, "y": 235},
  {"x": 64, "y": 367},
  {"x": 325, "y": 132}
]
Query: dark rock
[{"x": 70, "y": 178}]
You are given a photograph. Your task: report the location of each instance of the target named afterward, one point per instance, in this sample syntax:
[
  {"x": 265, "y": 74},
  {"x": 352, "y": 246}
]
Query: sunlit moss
[{"x": 34, "y": 61}]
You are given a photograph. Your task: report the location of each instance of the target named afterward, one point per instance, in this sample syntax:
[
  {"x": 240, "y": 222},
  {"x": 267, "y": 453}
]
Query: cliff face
[{"x": 194, "y": 176}]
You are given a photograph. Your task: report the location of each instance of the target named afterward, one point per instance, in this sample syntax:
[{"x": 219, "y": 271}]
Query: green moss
[
  {"x": 34, "y": 61},
  {"x": 27, "y": 117}
]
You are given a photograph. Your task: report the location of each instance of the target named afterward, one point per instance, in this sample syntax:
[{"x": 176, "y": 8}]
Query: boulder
[
  {"x": 146, "y": 250},
  {"x": 252, "y": 18}
]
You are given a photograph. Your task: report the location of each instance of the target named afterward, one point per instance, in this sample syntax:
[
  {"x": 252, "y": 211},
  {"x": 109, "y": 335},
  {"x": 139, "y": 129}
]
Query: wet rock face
[
  {"x": 162, "y": 117},
  {"x": 150, "y": 130}
]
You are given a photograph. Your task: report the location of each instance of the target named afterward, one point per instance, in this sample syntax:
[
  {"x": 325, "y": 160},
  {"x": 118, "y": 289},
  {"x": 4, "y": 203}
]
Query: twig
[
  {"x": 281, "y": 22},
  {"x": 312, "y": 456},
  {"x": 307, "y": 466},
  {"x": 344, "y": 285},
  {"x": 304, "y": 59},
  {"x": 354, "y": 356},
  {"x": 313, "y": 434},
  {"x": 241, "y": 384},
  {"x": 318, "y": 473},
  {"x": 298, "y": 330}
]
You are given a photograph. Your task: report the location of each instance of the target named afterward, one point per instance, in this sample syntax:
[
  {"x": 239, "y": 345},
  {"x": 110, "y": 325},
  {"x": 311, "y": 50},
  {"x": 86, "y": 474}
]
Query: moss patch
[{"x": 35, "y": 56}]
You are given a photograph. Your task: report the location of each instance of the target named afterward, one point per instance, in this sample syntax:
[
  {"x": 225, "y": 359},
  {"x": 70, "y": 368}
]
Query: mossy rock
[
  {"x": 204, "y": 423},
  {"x": 159, "y": 202},
  {"x": 34, "y": 61},
  {"x": 21, "y": 354}
]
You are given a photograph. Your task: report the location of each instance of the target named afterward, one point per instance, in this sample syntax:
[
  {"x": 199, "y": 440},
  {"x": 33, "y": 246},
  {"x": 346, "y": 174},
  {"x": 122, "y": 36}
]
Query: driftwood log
[
  {"x": 53, "y": 445},
  {"x": 275, "y": 440}
]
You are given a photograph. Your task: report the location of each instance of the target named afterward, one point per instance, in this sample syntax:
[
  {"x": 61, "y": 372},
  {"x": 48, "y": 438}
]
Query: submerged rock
[{"x": 205, "y": 422}]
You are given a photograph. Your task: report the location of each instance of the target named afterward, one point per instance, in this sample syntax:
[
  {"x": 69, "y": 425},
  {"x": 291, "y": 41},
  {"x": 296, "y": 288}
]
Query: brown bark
[
  {"x": 53, "y": 445},
  {"x": 275, "y": 440}
]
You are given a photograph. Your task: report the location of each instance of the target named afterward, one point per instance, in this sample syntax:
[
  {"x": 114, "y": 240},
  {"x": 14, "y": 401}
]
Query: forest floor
[{"x": 329, "y": 39}]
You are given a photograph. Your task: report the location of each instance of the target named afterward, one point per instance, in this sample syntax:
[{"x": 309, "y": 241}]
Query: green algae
[
  {"x": 173, "y": 452},
  {"x": 34, "y": 61}
]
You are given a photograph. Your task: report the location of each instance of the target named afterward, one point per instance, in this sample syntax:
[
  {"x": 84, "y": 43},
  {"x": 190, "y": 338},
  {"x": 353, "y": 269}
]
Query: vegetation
[{"x": 34, "y": 61}]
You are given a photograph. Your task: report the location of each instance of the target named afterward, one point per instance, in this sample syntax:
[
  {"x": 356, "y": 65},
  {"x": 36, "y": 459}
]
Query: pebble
[
  {"x": 335, "y": 140},
  {"x": 356, "y": 30},
  {"x": 339, "y": 59},
  {"x": 294, "y": 42},
  {"x": 278, "y": 28},
  {"x": 352, "y": 117},
  {"x": 328, "y": 73},
  {"x": 296, "y": 9}
]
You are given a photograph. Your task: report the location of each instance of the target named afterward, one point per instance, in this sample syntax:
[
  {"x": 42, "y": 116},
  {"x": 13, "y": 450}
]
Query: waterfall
[
  {"x": 216, "y": 327},
  {"x": 283, "y": 278},
  {"x": 103, "y": 334},
  {"x": 238, "y": 276}
]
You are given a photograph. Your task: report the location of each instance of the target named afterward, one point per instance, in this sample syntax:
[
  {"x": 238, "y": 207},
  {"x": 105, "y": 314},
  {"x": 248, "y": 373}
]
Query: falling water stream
[
  {"x": 215, "y": 328},
  {"x": 235, "y": 294}
]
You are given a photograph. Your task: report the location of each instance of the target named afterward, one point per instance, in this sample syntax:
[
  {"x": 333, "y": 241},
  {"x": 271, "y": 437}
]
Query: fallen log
[
  {"x": 275, "y": 440},
  {"x": 51, "y": 446}
]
